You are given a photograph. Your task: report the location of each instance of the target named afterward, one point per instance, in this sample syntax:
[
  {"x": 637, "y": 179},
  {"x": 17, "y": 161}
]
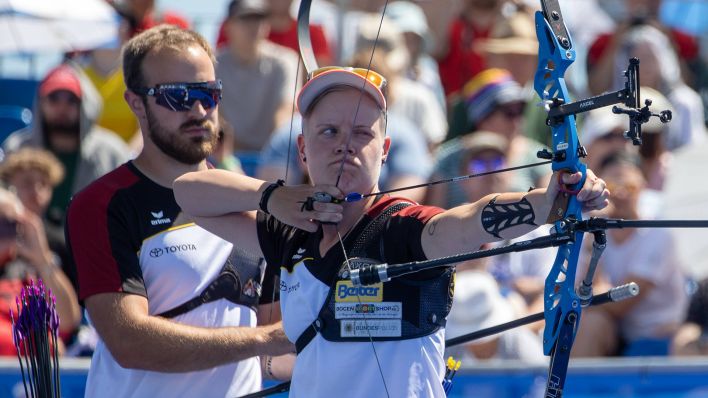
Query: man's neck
[{"x": 163, "y": 169}]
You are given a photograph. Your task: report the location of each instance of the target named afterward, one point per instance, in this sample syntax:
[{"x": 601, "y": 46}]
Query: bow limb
[
  {"x": 303, "y": 37},
  {"x": 562, "y": 307}
]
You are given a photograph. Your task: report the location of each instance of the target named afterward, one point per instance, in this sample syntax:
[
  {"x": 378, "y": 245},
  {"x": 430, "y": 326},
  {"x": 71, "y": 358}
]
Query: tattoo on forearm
[
  {"x": 431, "y": 228},
  {"x": 498, "y": 217}
]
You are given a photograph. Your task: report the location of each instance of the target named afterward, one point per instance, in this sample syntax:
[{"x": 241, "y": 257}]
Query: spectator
[
  {"x": 64, "y": 119},
  {"x": 602, "y": 135},
  {"x": 461, "y": 60},
  {"x": 258, "y": 76},
  {"x": 692, "y": 338},
  {"x": 283, "y": 31},
  {"x": 33, "y": 174},
  {"x": 602, "y": 56},
  {"x": 654, "y": 154},
  {"x": 512, "y": 45},
  {"x": 421, "y": 67},
  {"x": 478, "y": 304},
  {"x": 223, "y": 156},
  {"x": 25, "y": 255},
  {"x": 494, "y": 102},
  {"x": 102, "y": 67},
  {"x": 659, "y": 69},
  {"x": 643, "y": 325},
  {"x": 521, "y": 275},
  {"x": 143, "y": 15},
  {"x": 407, "y": 97}
]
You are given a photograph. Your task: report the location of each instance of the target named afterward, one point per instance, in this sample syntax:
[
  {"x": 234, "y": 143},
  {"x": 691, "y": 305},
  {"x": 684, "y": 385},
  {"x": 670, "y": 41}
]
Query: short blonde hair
[{"x": 32, "y": 159}]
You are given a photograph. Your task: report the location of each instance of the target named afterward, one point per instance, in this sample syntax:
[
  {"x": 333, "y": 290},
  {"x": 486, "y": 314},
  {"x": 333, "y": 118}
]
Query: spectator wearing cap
[
  {"x": 643, "y": 325},
  {"x": 421, "y": 67},
  {"x": 258, "y": 76},
  {"x": 479, "y": 304},
  {"x": 65, "y": 113},
  {"x": 406, "y": 97},
  {"x": 512, "y": 45},
  {"x": 493, "y": 102}
]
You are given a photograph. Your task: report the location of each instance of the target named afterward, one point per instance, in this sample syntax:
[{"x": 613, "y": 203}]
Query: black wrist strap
[{"x": 263, "y": 204}]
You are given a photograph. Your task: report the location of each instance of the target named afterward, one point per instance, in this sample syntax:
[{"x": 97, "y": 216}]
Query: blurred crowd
[{"x": 461, "y": 101}]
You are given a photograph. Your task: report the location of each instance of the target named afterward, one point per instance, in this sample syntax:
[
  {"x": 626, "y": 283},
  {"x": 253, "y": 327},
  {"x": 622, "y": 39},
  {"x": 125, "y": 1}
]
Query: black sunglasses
[{"x": 180, "y": 97}]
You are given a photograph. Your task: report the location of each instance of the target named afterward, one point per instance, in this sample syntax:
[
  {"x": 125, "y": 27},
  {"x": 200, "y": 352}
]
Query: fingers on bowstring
[
  {"x": 331, "y": 190},
  {"x": 327, "y": 217}
]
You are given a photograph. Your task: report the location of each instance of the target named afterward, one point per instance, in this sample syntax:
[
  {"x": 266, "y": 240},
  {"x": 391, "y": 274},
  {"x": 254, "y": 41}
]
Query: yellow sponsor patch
[{"x": 348, "y": 293}]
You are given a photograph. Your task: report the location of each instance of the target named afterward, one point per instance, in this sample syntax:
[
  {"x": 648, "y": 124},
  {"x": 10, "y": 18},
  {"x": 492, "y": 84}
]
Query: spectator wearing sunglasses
[
  {"x": 64, "y": 123},
  {"x": 176, "y": 307},
  {"x": 344, "y": 117},
  {"x": 258, "y": 76},
  {"x": 493, "y": 102}
]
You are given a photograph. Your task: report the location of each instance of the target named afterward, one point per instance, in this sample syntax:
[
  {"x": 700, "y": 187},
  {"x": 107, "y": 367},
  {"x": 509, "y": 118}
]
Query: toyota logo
[{"x": 156, "y": 252}]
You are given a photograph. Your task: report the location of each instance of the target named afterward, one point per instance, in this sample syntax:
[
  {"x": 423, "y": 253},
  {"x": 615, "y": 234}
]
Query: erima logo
[
  {"x": 299, "y": 254},
  {"x": 347, "y": 292},
  {"x": 158, "y": 218}
]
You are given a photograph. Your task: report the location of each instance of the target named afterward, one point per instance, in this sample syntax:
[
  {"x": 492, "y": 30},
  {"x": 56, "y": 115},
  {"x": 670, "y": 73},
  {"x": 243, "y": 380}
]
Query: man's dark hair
[{"x": 156, "y": 39}]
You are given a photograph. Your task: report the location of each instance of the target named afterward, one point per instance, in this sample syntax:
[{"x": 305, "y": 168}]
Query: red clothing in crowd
[
  {"x": 9, "y": 289},
  {"x": 288, "y": 38},
  {"x": 686, "y": 46},
  {"x": 462, "y": 61}
]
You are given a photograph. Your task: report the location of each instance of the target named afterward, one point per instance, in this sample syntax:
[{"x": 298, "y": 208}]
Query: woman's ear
[
  {"x": 386, "y": 148},
  {"x": 301, "y": 148}
]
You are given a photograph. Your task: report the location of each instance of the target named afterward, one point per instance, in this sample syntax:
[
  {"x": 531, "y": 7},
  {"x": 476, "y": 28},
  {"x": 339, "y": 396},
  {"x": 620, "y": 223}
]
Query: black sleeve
[{"x": 276, "y": 240}]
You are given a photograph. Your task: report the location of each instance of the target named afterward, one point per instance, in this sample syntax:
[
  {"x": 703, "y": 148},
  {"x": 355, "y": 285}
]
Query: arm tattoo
[
  {"x": 498, "y": 217},
  {"x": 431, "y": 228}
]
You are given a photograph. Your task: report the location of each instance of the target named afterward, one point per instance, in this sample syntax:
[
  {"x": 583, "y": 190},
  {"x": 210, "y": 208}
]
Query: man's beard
[
  {"x": 69, "y": 128},
  {"x": 190, "y": 150}
]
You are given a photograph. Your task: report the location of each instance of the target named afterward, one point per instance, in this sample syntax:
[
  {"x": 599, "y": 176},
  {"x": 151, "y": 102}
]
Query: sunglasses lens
[
  {"x": 182, "y": 99},
  {"x": 477, "y": 166}
]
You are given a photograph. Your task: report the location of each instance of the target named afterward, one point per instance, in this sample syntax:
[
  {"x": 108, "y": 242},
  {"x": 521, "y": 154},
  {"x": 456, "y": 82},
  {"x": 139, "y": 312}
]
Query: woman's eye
[{"x": 329, "y": 131}]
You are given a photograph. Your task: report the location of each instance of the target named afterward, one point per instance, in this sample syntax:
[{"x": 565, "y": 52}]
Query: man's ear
[{"x": 136, "y": 104}]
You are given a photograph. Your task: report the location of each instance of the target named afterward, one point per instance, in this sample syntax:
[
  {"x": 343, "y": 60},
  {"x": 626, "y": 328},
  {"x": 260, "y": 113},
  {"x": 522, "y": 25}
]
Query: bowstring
[{"x": 339, "y": 176}]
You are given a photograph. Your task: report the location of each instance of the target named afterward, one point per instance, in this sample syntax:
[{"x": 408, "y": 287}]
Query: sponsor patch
[
  {"x": 370, "y": 327},
  {"x": 385, "y": 309},
  {"x": 346, "y": 292}
]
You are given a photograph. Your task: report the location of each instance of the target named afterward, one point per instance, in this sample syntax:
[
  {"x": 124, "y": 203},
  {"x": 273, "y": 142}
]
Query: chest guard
[
  {"x": 239, "y": 282},
  {"x": 401, "y": 309}
]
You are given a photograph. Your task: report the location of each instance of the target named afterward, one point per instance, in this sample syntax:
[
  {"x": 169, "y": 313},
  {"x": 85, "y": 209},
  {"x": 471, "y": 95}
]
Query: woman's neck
[{"x": 353, "y": 212}]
